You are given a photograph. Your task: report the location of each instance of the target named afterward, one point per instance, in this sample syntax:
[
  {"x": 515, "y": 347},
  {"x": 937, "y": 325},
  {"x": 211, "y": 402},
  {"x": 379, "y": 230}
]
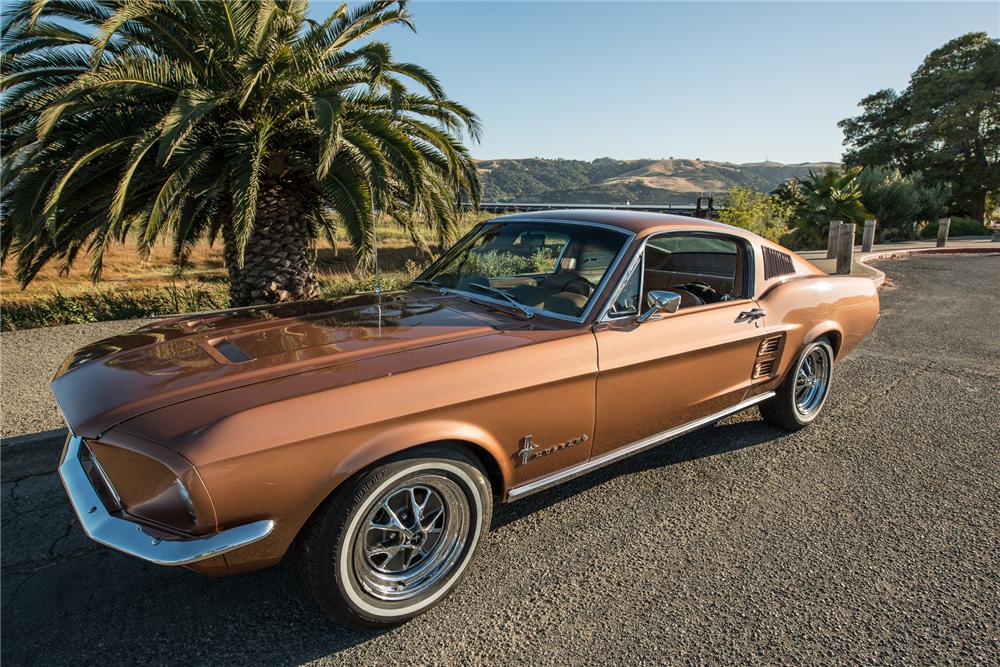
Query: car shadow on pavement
[
  {"x": 706, "y": 442},
  {"x": 66, "y": 599}
]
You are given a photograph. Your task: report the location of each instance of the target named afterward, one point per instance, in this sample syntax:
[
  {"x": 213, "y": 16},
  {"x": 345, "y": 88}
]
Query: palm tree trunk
[
  {"x": 279, "y": 263},
  {"x": 238, "y": 294}
]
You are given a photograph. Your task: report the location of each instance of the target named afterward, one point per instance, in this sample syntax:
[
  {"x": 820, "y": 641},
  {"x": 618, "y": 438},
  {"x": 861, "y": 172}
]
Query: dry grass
[{"x": 123, "y": 268}]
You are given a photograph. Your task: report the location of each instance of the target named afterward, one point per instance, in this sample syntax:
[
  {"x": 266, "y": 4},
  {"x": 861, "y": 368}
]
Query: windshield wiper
[
  {"x": 506, "y": 297},
  {"x": 427, "y": 283}
]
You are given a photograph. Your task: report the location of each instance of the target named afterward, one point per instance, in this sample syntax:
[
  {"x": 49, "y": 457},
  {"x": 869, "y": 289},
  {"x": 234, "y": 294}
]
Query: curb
[
  {"x": 29, "y": 455},
  {"x": 879, "y": 277}
]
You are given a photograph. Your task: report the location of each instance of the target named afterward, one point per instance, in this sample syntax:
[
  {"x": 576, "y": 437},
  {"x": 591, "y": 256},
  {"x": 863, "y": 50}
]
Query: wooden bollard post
[
  {"x": 943, "y": 225},
  {"x": 845, "y": 248},
  {"x": 869, "y": 238},
  {"x": 831, "y": 242}
]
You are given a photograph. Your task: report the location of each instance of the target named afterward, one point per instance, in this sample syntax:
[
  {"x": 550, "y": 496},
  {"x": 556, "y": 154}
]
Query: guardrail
[{"x": 525, "y": 207}]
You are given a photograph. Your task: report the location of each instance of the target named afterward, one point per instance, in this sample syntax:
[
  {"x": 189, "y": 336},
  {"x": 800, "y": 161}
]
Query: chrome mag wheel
[
  {"x": 411, "y": 538},
  {"x": 812, "y": 381}
]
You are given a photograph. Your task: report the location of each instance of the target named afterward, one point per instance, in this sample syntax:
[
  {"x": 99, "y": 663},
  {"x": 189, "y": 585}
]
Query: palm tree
[
  {"x": 819, "y": 199},
  {"x": 209, "y": 118}
]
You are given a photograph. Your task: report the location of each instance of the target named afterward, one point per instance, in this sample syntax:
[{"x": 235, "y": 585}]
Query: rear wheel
[
  {"x": 802, "y": 395},
  {"x": 398, "y": 538}
]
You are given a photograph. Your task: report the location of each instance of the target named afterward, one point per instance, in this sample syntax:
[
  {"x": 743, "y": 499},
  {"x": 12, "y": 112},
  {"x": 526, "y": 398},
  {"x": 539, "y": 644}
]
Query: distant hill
[{"x": 608, "y": 181}]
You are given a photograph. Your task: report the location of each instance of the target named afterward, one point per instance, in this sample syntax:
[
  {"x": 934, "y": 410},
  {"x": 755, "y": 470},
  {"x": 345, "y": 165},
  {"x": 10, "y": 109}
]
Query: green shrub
[
  {"x": 129, "y": 303},
  {"x": 112, "y": 304},
  {"x": 893, "y": 235},
  {"x": 544, "y": 260},
  {"x": 818, "y": 200},
  {"x": 959, "y": 227},
  {"x": 763, "y": 214},
  {"x": 386, "y": 281},
  {"x": 498, "y": 263},
  {"x": 898, "y": 201}
]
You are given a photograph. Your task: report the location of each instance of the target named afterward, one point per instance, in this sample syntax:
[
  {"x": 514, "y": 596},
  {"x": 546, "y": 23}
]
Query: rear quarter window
[{"x": 683, "y": 244}]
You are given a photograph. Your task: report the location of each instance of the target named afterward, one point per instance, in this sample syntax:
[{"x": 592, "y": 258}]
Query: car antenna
[{"x": 378, "y": 275}]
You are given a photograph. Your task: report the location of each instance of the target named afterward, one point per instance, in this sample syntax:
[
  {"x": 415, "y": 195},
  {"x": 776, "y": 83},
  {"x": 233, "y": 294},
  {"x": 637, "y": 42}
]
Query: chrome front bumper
[{"x": 138, "y": 540}]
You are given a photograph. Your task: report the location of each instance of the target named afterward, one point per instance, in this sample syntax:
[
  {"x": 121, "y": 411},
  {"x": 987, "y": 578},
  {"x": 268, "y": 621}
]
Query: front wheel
[
  {"x": 801, "y": 396},
  {"x": 398, "y": 538}
]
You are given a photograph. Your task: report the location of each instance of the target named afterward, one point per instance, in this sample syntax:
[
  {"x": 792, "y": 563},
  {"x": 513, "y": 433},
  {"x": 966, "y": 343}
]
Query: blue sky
[{"x": 740, "y": 82}]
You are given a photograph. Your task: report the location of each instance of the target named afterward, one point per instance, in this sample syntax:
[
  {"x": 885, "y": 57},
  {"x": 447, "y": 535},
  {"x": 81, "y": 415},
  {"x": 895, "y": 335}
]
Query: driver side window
[{"x": 701, "y": 268}]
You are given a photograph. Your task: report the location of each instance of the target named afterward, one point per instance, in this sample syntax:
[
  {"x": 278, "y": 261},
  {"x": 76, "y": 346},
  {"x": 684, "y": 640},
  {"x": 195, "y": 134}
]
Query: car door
[{"x": 666, "y": 372}]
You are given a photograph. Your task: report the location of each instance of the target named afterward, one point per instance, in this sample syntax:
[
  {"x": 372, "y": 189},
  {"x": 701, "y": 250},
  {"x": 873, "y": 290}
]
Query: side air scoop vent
[
  {"x": 768, "y": 354},
  {"x": 763, "y": 369},
  {"x": 769, "y": 345}
]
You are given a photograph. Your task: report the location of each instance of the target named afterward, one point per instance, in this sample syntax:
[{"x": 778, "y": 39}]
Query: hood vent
[
  {"x": 232, "y": 352},
  {"x": 194, "y": 326}
]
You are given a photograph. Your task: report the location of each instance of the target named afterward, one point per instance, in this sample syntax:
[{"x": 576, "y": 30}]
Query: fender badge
[{"x": 528, "y": 452}]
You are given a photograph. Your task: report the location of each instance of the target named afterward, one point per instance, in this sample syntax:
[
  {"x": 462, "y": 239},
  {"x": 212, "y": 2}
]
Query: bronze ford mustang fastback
[{"x": 373, "y": 433}]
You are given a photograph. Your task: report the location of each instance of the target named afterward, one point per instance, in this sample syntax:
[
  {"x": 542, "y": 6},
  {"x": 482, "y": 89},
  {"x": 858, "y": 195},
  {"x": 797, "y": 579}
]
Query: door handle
[{"x": 750, "y": 315}]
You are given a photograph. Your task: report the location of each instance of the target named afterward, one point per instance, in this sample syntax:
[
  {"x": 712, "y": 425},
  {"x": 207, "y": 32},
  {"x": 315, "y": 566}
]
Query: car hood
[{"x": 175, "y": 360}]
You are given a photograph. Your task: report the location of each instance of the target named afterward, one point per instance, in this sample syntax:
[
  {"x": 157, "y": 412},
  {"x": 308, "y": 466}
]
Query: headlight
[{"x": 153, "y": 489}]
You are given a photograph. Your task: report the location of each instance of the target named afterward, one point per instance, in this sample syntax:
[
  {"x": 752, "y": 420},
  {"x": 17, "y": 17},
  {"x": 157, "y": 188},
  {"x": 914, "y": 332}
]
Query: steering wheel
[
  {"x": 586, "y": 289},
  {"x": 703, "y": 291}
]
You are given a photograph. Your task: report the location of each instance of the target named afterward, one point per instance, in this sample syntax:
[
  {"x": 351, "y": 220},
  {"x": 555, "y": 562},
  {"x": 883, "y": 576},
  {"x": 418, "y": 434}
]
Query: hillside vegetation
[{"x": 609, "y": 181}]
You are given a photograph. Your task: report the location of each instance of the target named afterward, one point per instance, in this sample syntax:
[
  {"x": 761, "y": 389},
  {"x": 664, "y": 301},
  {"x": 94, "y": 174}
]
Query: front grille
[
  {"x": 776, "y": 264},
  {"x": 98, "y": 478}
]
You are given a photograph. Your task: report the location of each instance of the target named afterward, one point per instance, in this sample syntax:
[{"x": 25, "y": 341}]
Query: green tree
[
  {"x": 898, "y": 201},
  {"x": 945, "y": 124},
  {"x": 201, "y": 119},
  {"x": 880, "y": 135},
  {"x": 763, "y": 214}
]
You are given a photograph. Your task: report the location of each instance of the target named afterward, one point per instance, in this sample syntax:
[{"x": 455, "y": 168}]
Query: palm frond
[
  {"x": 176, "y": 117},
  {"x": 246, "y": 145}
]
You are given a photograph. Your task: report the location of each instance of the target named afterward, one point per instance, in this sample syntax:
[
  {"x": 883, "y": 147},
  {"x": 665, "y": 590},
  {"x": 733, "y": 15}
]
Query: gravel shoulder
[
  {"x": 30, "y": 359},
  {"x": 868, "y": 538}
]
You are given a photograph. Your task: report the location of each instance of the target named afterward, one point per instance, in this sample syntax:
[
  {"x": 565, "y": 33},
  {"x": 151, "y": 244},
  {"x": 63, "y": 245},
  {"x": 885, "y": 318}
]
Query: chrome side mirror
[{"x": 660, "y": 303}]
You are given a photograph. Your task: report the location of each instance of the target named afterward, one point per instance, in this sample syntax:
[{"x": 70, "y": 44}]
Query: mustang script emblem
[{"x": 529, "y": 450}]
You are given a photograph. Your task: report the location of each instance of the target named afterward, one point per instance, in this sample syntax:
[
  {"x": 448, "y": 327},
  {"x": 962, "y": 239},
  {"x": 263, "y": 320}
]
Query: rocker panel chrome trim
[{"x": 628, "y": 450}]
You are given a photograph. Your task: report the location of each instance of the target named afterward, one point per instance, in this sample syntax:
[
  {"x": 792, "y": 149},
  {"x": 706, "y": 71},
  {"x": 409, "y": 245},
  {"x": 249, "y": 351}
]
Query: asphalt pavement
[
  {"x": 870, "y": 537},
  {"x": 30, "y": 359}
]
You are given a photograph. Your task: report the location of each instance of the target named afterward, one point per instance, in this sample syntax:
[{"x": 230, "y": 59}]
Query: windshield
[{"x": 554, "y": 267}]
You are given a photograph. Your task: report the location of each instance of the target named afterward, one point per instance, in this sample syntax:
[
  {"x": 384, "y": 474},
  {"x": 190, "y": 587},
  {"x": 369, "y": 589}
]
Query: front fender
[{"x": 407, "y": 436}]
